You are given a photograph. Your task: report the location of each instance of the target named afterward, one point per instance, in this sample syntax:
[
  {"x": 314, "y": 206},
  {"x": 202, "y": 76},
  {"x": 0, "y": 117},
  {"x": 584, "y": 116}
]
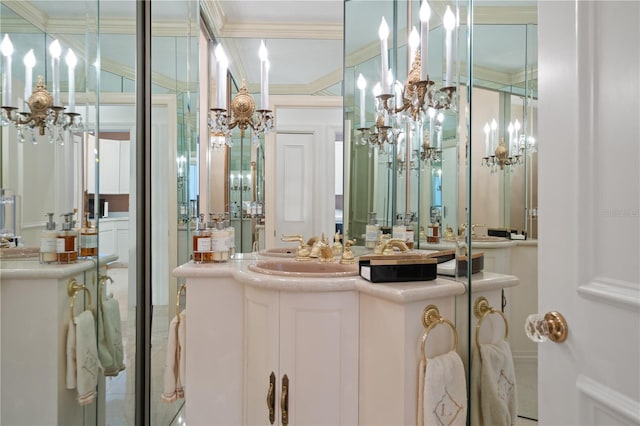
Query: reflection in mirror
[
  {"x": 46, "y": 74},
  {"x": 504, "y": 193},
  {"x": 89, "y": 172},
  {"x": 405, "y": 174}
]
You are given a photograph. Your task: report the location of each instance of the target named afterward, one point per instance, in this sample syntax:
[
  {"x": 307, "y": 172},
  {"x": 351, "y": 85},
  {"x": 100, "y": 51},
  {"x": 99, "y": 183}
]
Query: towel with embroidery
[
  {"x": 494, "y": 393},
  {"x": 83, "y": 365},
  {"x": 444, "y": 391}
]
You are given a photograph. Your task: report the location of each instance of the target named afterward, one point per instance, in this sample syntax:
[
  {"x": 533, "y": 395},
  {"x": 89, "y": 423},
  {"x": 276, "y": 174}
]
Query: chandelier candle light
[
  {"x": 498, "y": 155},
  {"x": 243, "y": 112},
  {"x": 46, "y": 112},
  {"x": 398, "y": 105}
]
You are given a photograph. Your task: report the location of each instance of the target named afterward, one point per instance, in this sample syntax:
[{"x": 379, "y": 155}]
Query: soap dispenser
[
  {"x": 409, "y": 233},
  {"x": 372, "y": 231},
  {"x": 399, "y": 231},
  {"x": 48, "y": 240},
  {"x": 219, "y": 242},
  {"x": 88, "y": 239},
  {"x": 67, "y": 241},
  {"x": 202, "y": 251},
  {"x": 231, "y": 234}
]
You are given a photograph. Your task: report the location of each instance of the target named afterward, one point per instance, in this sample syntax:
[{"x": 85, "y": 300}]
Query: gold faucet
[
  {"x": 348, "y": 257},
  {"x": 463, "y": 227},
  {"x": 325, "y": 251},
  {"x": 337, "y": 245},
  {"x": 386, "y": 245},
  {"x": 303, "y": 252},
  {"x": 448, "y": 234}
]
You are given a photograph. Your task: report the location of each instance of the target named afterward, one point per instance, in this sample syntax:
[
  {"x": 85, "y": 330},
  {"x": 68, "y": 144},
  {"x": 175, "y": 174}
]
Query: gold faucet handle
[
  {"x": 348, "y": 257},
  {"x": 303, "y": 252},
  {"x": 292, "y": 238}
]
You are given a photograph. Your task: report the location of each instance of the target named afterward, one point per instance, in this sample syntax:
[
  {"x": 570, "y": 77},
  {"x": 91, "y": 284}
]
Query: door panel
[
  {"x": 261, "y": 349},
  {"x": 590, "y": 210},
  {"x": 294, "y": 175},
  {"x": 319, "y": 354}
]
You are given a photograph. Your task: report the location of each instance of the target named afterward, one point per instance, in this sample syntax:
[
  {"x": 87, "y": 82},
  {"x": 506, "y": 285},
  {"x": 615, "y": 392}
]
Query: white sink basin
[{"x": 312, "y": 268}]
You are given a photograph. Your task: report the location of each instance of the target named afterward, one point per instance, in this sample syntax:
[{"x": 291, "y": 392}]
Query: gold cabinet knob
[{"x": 552, "y": 326}]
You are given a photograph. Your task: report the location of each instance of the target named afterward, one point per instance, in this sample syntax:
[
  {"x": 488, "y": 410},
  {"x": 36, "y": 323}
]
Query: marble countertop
[
  {"x": 32, "y": 268},
  {"x": 404, "y": 292}
]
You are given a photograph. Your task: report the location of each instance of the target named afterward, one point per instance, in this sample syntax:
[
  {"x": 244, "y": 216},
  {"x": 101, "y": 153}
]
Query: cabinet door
[
  {"x": 109, "y": 166},
  {"x": 122, "y": 240},
  {"x": 319, "y": 354},
  {"x": 106, "y": 238},
  {"x": 261, "y": 351},
  {"x": 124, "y": 167},
  {"x": 90, "y": 155}
]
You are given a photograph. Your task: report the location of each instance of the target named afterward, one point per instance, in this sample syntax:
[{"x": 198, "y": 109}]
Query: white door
[
  {"x": 589, "y": 248},
  {"x": 295, "y": 168}
]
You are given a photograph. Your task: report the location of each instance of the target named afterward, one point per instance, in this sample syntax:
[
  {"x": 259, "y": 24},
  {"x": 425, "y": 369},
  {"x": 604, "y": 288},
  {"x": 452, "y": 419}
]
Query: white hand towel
[
  {"x": 104, "y": 353},
  {"x": 182, "y": 354},
  {"x": 86, "y": 355},
  {"x": 71, "y": 355},
  {"x": 173, "y": 386},
  {"x": 494, "y": 396},
  {"x": 445, "y": 391},
  {"x": 113, "y": 335}
]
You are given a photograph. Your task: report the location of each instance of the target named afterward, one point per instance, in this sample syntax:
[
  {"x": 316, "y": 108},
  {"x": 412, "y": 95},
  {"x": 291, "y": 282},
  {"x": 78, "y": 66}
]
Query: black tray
[{"x": 387, "y": 269}]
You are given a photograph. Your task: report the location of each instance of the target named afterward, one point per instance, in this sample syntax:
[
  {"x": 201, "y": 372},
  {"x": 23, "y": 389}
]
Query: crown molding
[
  {"x": 213, "y": 14},
  {"x": 28, "y": 12},
  {"x": 281, "y": 30}
]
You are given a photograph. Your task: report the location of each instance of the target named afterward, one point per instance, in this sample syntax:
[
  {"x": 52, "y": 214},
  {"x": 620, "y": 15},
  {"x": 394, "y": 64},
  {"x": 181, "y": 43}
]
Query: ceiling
[{"x": 304, "y": 37}]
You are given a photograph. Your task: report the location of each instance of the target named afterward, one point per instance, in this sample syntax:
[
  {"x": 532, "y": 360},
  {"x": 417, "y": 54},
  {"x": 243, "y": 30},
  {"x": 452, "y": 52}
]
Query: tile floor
[{"x": 120, "y": 389}]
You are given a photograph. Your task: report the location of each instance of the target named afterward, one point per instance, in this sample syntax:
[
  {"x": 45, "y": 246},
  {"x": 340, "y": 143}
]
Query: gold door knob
[{"x": 552, "y": 326}]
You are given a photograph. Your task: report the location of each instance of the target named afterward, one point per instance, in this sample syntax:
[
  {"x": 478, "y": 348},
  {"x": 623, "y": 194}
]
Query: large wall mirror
[
  {"x": 91, "y": 172},
  {"x": 464, "y": 190},
  {"x": 422, "y": 179}
]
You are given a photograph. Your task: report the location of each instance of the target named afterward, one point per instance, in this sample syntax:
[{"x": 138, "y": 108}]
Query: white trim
[
  {"x": 611, "y": 399},
  {"x": 607, "y": 290}
]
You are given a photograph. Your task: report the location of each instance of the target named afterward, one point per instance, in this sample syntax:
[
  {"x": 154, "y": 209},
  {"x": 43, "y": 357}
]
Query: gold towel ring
[
  {"x": 73, "y": 288},
  {"x": 182, "y": 288},
  {"x": 481, "y": 309},
  {"x": 430, "y": 319},
  {"x": 102, "y": 279}
]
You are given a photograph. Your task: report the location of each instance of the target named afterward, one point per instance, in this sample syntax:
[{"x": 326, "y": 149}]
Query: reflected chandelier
[
  {"x": 45, "y": 115},
  {"x": 243, "y": 113},
  {"x": 396, "y": 104}
]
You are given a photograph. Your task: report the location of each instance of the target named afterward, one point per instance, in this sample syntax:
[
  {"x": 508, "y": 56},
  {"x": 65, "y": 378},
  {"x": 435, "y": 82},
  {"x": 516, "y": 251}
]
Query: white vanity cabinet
[
  {"x": 113, "y": 234},
  {"x": 114, "y": 163},
  {"x": 33, "y": 354},
  {"x": 312, "y": 339}
]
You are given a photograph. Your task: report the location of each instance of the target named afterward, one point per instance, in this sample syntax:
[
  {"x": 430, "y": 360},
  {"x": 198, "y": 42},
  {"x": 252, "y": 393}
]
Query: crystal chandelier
[
  {"x": 500, "y": 156},
  {"x": 243, "y": 113},
  {"x": 46, "y": 115},
  {"x": 397, "y": 104}
]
